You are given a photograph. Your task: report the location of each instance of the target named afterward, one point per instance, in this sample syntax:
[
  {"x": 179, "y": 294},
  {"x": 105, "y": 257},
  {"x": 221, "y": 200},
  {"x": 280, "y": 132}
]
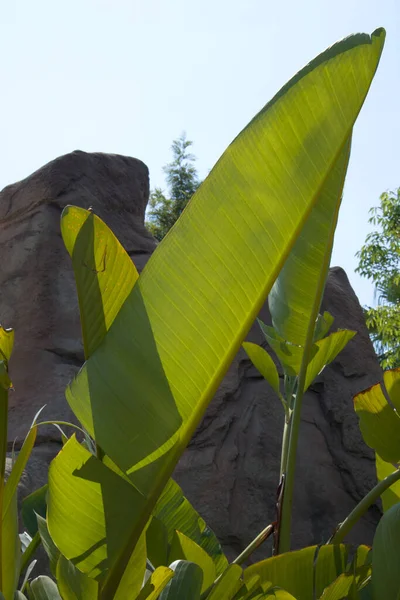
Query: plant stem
[
  {"x": 285, "y": 446},
  {"x": 256, "y": 543},
  {"x": 362, "y": 507},
  {"x": 284, "y": 526},
  {"x": 3, "y": 456}
]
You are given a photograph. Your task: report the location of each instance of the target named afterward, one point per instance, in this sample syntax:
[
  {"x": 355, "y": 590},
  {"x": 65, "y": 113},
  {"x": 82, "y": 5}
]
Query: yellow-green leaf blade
[
  {"x": 292, "y": 571},
  {"x": 391, "y": 496},
  {"x": 328, "y": 348},
  {"x": 385, "y": 556},
  {"x": 89, "y": 507},
  {"x": 227, "y": 583},
  {"x": 379, "y": 423},
  {"x": 104, "y": 272},
  {"x": 204, "y": 285},
  {"x": 155, "y": 585},
  {"x": 263, "y": 363},
  {"x": 183, "y": 548}
]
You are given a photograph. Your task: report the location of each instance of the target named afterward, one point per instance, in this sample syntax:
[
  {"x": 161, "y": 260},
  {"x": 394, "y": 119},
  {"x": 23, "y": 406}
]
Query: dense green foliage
[
  {"x": 182, "y": 180},
  {"x": 117, "y": 527},
  {"x": 379, "y": 260}
]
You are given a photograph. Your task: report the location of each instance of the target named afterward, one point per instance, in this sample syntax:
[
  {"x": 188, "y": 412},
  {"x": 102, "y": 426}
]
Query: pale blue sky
[{"x": 127, "y": 76}]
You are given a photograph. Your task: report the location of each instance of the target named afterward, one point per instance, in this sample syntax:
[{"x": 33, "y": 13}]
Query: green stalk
[
  {"x": 362, "y": 507},
  {"x": 285, "y": 523},
  {"x": 285, "y": 446},
  {"x": 256, "y": 543},
  {"x": 3, "y": 456}
]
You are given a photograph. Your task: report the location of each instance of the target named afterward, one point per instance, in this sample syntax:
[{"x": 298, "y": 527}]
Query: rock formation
[{"x": 230, "y": 469}]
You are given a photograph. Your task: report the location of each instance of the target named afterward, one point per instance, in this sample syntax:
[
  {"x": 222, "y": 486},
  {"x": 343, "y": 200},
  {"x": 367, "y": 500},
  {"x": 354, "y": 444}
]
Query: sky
[{"x": 127, "y": 77}]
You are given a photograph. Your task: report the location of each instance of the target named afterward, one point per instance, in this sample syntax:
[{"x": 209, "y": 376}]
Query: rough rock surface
[{"x": 230, "y": 469}]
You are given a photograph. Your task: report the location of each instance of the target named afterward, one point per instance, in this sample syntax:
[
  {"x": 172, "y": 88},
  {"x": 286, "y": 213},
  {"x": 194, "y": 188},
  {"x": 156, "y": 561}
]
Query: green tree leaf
[
  {"x": 263, "y": 363},
  {"x": 177, "y": 514},
  {"x": 184, "y": 320},
  {"x": 183, "y": 548},
  {"x": 227, "y": 583},
  {"x": 385, "y": 556},
  {"x": 89, "y": 509},
  {"x": 44, "y": 588},
  {"x": 73, "y": 584},
  {"x": 155, "y": 585},
  {"x": 186, "y": 583},
  {"x": 328, "y": 349},
  {"x": 379, "y": 420},
  {"x": 392, "y": 495}
]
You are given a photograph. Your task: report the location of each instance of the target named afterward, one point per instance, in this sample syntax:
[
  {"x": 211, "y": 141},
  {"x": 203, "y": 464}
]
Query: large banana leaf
[
  {"x": 89, "y": 510},
  {"x": 179, "y": 328},
  {"x": 176, "y": 513},
  {"x": 296, "y": 296},
  {"x": 304, "y": 573},
  {"x": 379, "y": 419},
  {"x": 385, "y": 556},
  {"x": 390, "y": 496}
]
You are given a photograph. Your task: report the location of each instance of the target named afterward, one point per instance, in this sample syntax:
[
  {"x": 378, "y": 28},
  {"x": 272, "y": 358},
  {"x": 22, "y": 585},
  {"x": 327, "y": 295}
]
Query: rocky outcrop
[{"x": 230, "y": 469}]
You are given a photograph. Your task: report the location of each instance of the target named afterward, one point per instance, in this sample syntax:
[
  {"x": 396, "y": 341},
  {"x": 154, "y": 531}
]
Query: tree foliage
[
  {"x": 182, "y": 180},
  {"x": 379, "y": 260}
]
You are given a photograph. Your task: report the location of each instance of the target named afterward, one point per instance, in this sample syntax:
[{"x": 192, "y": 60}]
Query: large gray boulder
[{"x": 230, "y": 469}]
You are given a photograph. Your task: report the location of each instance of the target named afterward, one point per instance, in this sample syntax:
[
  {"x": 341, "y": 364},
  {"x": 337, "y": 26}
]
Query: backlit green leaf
[
  {"x": 392, "y": 495},
  {"x": 385, "y": 556},
  {"x": 177, "y": 514},
  {"x": 227, "y": 583},
  {"x": 73, "y": 584},
  {"x": 155, "y": 585},
  {"x": 263, "y": 363},
  {"x": 379, "y": 421},
  {"x": 89, "y": 509},
  {"x": 186, "y": 583},
  {"x": 328, "y": 348},
  {"x": 183, "y": 548},
  {"x": 188, "y": 313},
  {"x": 292, "y": 571}
]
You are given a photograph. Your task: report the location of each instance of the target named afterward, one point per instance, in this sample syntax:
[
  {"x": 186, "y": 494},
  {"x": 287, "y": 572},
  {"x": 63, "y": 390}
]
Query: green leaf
[
  {"x": 346, "y": 586},
  {"x": 289, "y": 354},
  {"x": 89, "y": 507},
  {"x": 32, "y": 505},
  {"x": 295, "y": 298},
  {"x": 104, "y": 273},
  {"x": 392, "y": 495},
  {"x": 183, "y": 548},
  {"x": 277, "y": 593},
  {"x": 293, "y": 571},
  {"x": 11, "y": 550},
  {"x": 49, "y": 546},
  {"x": 379, "y": 420},
  {"x": 323, "y": 325},
  {"x": 155, "y": 585},
  {"x": 186, "y": 583},
  {"x": 184, "y": 320},
  {"x": 331, "y": 562},
  {"x": 249, "y": 589},
  {"x": 6, "y": 342},
  {"x": 157, "y": 542},
  {"x": 10, "y": 487},
  {"x": 328, "y": 349},
  {"x": 226, "y": 584},
  {"x": 385, "y": 556},
  {"x": 73, "y": 584},
  {"x": 263, "y": 363},
  {"x": 132, "y": 579},
  {"x": 43, "y": 588},
  {"x": 177, "y": 514}
]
